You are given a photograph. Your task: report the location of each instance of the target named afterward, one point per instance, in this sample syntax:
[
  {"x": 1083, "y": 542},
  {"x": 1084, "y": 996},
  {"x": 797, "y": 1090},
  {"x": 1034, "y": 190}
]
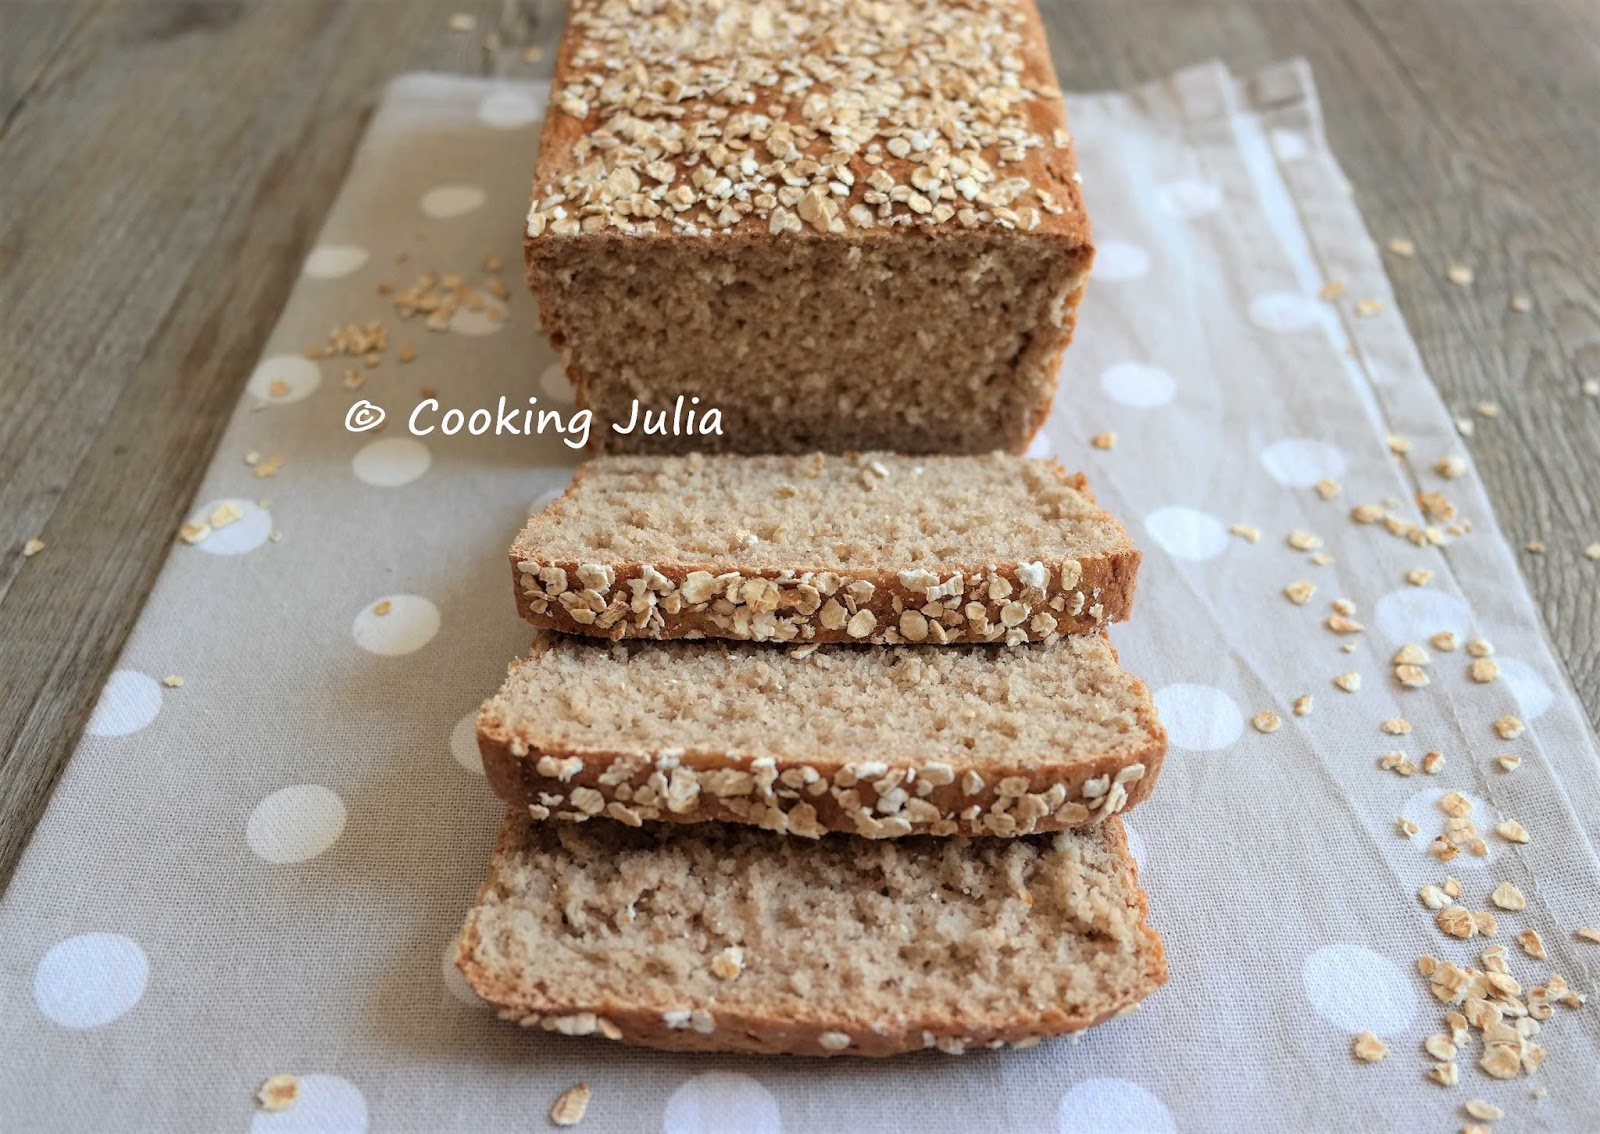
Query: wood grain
[{"x": 168, "y": 162}]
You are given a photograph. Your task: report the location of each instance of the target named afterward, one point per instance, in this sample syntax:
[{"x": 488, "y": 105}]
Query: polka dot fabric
[{"x": 260, "y": 870}]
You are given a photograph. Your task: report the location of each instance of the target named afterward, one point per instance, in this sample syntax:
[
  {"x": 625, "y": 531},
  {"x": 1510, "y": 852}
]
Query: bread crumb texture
[
  {"x": 873, "y": 547},
  {"x": 763, "y": 205},
  {"x": 849, "y": 947},
  {"x": 872, "y": 740}
]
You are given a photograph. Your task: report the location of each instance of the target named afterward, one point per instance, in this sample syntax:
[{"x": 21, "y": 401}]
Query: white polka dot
[
  {"x": 248, "y": 532},
  {"x": 391, "y": 462},
  {"x": 129, "y": 701},
  {"x": 1185, "y": 533},
  {"x": 507, "y": 110},
  {"x": 454, "y": 982},
  {"x": 1112, "y": 1106},
  {"x": 464, "y": 743},
  {"x": 1285, "y": 311},
  {"x": 89, "y": 980},
  {"x": 478, "y": 323},
  {"x": 1138, "y": 385},
  {"x": 1532, "y": 692},
  {"x": 330, "y": 261},
  {"x": 1289, "y": 145},
  {"x": 326, "y": 1104},
  {"x": 1299, "y": 462},
  {"x": 408, "y": 623},
  {"x": 1120, "y": 260},
  {"x": 445, "y": 202},
  {"x": 295, "y": 823},
  {"x": 1417, "y": 613},
  {"x": 1135, "y": 844},
  {"x": 1200, "y": 718},
  {"x": 1359, "y": 990},
  {"x": 284, "y": 378},
  {"x": 1040, "y": 446},
  {"x": 1423, "y": 810},
  {"x": 1191, "y": 197},
  {"x": 553, "y": 384},
  {"x": 722, "y": 1102}
]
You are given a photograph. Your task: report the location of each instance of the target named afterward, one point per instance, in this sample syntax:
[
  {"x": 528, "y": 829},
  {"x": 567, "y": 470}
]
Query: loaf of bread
[
  {"x": 873, "y": 547},
  {"x": 719, "y": 938},
  {"x": 873, "y": 740},
  {"x": 843, "y": 225}
]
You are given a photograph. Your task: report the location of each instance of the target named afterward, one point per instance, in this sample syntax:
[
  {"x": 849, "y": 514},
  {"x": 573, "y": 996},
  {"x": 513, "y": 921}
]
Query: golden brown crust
[{"x": 725, "y": 1029}]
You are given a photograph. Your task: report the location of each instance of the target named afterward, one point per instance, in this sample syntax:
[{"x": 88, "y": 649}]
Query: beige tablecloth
[{"x": 261, "y": 871}]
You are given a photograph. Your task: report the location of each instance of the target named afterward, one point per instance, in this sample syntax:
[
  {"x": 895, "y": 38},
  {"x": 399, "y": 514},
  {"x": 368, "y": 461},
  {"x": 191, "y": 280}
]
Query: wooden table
[{"x": 166, "y": 166}]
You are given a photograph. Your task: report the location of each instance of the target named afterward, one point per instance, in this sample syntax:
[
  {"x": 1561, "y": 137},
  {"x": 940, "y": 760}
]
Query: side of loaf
[
  {"x": 727, "y": 939},
  {"x": 844, "y": 226},
  {"x": 872, "y": 547},
  {"x": 871, "y": 740}
]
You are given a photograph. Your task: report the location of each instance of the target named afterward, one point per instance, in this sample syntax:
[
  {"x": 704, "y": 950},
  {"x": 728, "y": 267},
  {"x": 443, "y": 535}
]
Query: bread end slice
[{"x": 722, "y": 938}]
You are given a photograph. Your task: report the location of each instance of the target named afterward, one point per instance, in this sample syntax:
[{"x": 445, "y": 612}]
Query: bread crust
[
  {"x": 1039, "y": 602},
  {"x": 818, "y": 793},
  {"x": 529, "y": 1004}
]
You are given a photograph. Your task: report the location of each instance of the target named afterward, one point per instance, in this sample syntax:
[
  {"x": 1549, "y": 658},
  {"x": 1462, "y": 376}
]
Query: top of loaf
[{"x": 847, "y": 118}]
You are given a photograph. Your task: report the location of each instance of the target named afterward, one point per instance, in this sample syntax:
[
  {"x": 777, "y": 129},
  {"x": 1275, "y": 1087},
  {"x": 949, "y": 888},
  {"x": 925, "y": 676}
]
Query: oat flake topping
[{"x": 825, "y": 115}]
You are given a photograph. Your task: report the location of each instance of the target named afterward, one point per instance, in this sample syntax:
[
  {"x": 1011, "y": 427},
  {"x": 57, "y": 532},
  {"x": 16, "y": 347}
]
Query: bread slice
[
  {"x": 872, "y": 740},
  {"x": 872, "y": 547},
  {"x": 724, "y": 938},
  {"x": 842, "y": 225}
]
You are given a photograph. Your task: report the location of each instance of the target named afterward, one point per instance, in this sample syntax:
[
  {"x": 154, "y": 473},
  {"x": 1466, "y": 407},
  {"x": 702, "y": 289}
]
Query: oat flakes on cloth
[{"x": 260, "y": 872}]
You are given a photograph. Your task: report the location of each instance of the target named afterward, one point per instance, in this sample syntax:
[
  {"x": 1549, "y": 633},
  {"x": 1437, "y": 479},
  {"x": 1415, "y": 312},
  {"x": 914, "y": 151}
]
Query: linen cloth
[{"x": 262, "y": 871}]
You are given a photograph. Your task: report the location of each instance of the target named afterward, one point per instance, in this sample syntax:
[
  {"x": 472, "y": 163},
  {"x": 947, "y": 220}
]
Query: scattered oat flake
[
  {"x": 1411, "y": 654},
  {"x": 1483, "y": 670},
  {"x": 172, "y": 681},
  {"x": 1591, "y": 387},
  {"x": 1585, "y": 933},
  {"x": 1303, "y": 541},
  {"x": 278, "y": 1092},
  {"x": 1532, "y": 944},
  {"x": 32, "y": 547},
  {"x": 1402, "y": 247},
  {"x": 1406, "y": 827},
  {"x": 1451, "y": 467},
  {"x": 194, "y": 533},
  {"x": 1477, "y": 1108},
  {"x": 1396, "y": 726},
  {"x": 1511, "y": 830},
  {"x": 1592, "y": 551},
  {"x": 1302, "y": 705},
  {"x": 1479, "y": 647},
  {"x": 1419, "y": 576},
  {"x": 463, "y": 22},
  {"x": 1349, "y": 682},
  {"x": 224, "y": 514},
  {"x": 252, "y": 458},
  {"x": 1366, "y": 308},
  {"x": 1299, "y": 592},
  {"x": 1508, "y": 897},
  {"x": 1332, "y": 290},
  {"x": 571, "y": 1106},
  {"x": 278, "y": 388},
  {"x": 268, "y": 467},
  {"x": 1321, "y": 559},
  {"x": 1369, "y": 1048},
  {"x": 1266, "y": 721},
  {"x": 1487, "y": 409},
  {"x": 1246, "y": 532},
  {"x": 1398, "y": 445},
  {"x": 1444, "y": 641},
  {"x": 1104, "y": 440},
  {"x": 1508, "y": 762},
  {"x": 1508, "y": 727},
  {"x": 1534, "y": 547},
  {"x": 1459, "y": 274},
  {"x": 1339, "y": 624},
  {"x": 1521, "y": 304},
  {"x": 383, "y": 607},
  {"x": 1433, "y": 763}
]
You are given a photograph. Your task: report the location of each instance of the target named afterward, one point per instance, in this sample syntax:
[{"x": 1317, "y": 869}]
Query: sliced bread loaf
[
  {"x": 724, "y": 938},
  {"x": 871, "y": 547},
  {"x": 872, "y": 740}
]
